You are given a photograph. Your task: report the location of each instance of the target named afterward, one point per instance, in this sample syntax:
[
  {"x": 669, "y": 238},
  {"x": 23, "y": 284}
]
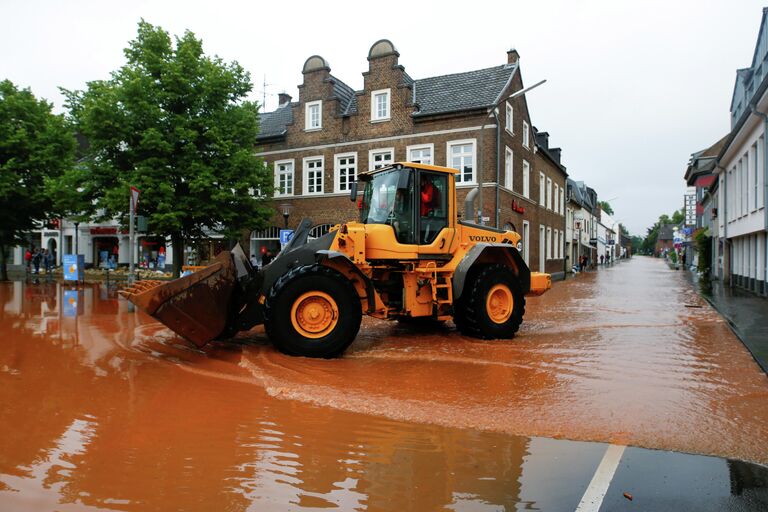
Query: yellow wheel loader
[{"x": 408, "y": 257}]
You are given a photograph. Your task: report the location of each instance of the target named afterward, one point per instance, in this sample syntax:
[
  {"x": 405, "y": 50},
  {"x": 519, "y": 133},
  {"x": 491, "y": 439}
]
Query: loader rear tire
[
  {"x": 312, "y": 311},
  {"x": 492, "y": 305}
]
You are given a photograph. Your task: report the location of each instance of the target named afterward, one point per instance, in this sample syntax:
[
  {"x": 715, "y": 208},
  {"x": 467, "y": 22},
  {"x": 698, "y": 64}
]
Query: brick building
[{"x": 316, "y": 146}]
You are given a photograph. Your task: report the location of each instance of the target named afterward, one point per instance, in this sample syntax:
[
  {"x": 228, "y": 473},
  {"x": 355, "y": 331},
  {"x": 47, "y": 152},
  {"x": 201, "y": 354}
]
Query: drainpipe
[{"x": 498, "y": 163}]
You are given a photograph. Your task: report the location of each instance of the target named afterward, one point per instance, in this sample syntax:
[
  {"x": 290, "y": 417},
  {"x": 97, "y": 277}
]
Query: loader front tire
[
  {"x": 492, "y": 305},
  {"x": 312, "y": 311}
]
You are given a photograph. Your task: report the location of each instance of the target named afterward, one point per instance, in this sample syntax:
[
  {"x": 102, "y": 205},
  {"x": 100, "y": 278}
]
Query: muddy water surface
[
  {"x": 629, "y": 354},
  {"x": 103, "y": 408}
]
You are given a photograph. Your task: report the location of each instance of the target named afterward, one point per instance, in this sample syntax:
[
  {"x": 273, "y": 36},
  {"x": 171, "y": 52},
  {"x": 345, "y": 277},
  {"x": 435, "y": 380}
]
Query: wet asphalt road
[{"x": 613, "y": 375}]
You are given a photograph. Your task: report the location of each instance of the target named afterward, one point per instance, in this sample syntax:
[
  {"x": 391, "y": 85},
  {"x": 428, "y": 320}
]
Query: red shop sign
[
  {"x": 516, "y": 207},
  {"x": 103, "y": 231}
]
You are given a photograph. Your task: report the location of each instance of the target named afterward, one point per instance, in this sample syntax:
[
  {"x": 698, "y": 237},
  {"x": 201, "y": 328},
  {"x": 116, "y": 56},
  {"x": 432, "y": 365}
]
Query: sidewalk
[{"x": 747, "y": 314}]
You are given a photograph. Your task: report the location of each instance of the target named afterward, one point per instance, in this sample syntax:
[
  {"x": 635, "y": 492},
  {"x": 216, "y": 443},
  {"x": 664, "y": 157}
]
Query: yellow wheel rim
[
  {"x": 314, "y": 314},
  {"x": 499, "y": 303}
]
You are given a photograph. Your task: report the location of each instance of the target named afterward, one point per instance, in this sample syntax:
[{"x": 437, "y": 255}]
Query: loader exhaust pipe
[{"x": 469, "y": 206}]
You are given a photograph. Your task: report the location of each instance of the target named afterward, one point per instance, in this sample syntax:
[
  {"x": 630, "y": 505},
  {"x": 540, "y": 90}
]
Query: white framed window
[
  {"x": 461, "y": 156},
  {"x": 542, "y": 185},
  {"x": 509, "y": 177},
  {"x": 421, "y": 154},
  {"x": 284, "y": 178},
  {"x": 549, "y": 193},
  {"x": 526, "y": 135},
  {"x": 509, "y": 120},
  {"x": 344, "y": 171},
  {"x": 380, "y": 105},
  {"x": 562, "y": 200},
  {"x": 526, "y": 179},
  {"x": 313, "y": 175},
  {"x": 380, "y": 157},
  {"x": 549, "y": 243},
  {"x": 556, "y": 200},
  {"x": 313, "y": 115}
]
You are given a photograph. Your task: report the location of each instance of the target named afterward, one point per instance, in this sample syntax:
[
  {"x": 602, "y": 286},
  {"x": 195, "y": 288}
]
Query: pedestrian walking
[
  {"x": 37, "y": 257},
  {"x": 602, "y": 259},
  {"x": 28, "y": 258}
]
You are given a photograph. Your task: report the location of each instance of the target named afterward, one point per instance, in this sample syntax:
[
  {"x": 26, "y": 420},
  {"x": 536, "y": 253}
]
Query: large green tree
[
  {"x": 174, "y": 123},
  {"x": 36, "y": 146}
]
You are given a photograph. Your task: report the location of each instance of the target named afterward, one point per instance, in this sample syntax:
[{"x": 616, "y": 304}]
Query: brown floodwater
[{"x": 102, "y": 408}]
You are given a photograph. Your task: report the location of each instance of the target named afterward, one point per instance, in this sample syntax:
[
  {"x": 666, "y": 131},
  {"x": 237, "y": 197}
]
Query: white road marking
[{"x": 598, "y": 487}]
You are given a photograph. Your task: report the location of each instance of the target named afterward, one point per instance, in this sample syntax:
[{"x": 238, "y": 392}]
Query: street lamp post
[
  {"x": 286, "y": 209},
  {"x": 77, "y": 236},
  {"x": 492, "y": 113}
]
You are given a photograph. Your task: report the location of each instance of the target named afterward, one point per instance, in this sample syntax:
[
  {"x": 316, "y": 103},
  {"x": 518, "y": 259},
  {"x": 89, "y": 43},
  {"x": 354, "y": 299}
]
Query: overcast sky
[{"x": 633, "y": 88}]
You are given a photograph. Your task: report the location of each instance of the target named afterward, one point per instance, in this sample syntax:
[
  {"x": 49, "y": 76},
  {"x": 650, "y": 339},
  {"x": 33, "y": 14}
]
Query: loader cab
[{"x": 414, "y": 199}]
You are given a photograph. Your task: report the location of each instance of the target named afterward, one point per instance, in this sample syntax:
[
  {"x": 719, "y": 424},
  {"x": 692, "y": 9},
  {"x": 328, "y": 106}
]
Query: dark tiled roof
[
  {"x": 435, "y": 95},
  {"x": 461, "y": 91},
  {"x": 273, "y": 123},
  {"x": 346, "y": 96}
]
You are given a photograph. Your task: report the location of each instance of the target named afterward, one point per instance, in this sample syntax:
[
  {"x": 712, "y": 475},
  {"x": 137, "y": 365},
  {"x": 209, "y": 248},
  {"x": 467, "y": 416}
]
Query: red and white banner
[{"x": 134, "y": 199}]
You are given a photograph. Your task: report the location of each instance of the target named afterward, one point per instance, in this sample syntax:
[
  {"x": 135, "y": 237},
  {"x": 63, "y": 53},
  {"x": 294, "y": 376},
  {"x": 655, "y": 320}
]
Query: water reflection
[
  {"x": 91, "y": 419},
  {"x": 102, "y": 407}
]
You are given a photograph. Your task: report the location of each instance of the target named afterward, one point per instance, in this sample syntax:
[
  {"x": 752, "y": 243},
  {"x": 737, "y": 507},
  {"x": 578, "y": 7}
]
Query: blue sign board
[
  {"x": 74, "y": 265},
  {"x": 285, "y": 236}
]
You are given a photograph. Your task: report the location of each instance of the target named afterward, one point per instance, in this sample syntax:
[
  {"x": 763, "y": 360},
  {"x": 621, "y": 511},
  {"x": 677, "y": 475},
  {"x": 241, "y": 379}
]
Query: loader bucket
[{"x": 196, "y": 306}]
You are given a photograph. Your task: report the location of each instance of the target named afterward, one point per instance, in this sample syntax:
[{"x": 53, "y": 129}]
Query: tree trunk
[
  {"x": 3, "y": 264},
  {"x": 177, "y": 242}
]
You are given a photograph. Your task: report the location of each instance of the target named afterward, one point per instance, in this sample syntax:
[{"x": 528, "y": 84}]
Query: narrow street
[{"x": 120, "y": 414}]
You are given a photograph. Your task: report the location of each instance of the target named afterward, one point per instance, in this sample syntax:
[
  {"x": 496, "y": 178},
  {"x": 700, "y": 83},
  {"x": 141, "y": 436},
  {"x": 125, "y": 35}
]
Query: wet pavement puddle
[{"x": 103, "y": 408}]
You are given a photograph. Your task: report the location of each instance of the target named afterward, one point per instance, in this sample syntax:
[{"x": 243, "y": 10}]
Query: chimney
[
  {"x": 542, "y": 139},
  {"x": 555, "y": 152},
  {"x": 512, "y": 56},
  {"x": 284, "y": 98}
]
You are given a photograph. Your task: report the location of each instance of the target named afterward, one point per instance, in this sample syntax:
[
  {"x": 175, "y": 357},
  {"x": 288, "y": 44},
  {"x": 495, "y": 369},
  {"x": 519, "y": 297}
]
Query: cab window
[{"x": 433, "y": 205}]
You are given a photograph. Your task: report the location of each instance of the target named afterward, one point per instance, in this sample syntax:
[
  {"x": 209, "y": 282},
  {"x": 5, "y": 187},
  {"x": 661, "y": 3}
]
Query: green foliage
[
  {"x": 704, "y": 249},
  {"x": 36, "y": 146},
  {"x": 673, "y": 256},
  {"x": 649, "y": 242},
  {"x": 606, "y": 207},
  {"x": 173, "y": 122},
  {"x": 678, "y": 216}
]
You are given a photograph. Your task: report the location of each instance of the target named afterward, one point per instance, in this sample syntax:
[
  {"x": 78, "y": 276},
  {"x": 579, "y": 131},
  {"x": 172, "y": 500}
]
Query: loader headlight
[{"x": 520, "y": 246}]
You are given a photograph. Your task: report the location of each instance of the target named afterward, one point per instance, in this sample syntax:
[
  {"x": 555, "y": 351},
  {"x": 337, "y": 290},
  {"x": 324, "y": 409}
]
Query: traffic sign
[{"x": 285, "y": 236}]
